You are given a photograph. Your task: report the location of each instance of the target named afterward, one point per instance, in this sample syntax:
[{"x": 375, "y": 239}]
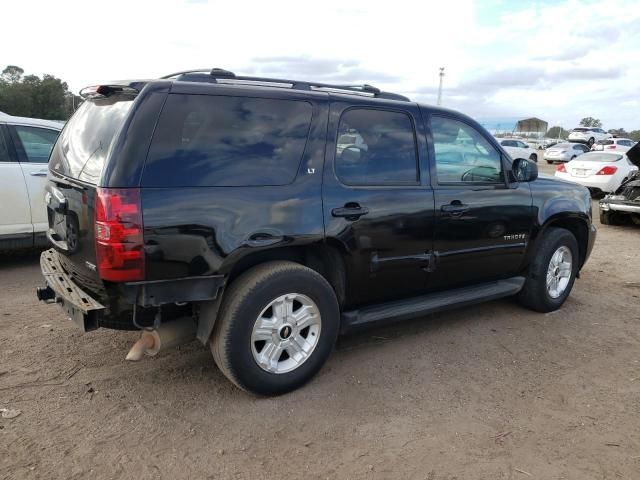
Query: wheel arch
[
  {"x": 577, "y": 225},
  {"x": 324, "y": 258}
]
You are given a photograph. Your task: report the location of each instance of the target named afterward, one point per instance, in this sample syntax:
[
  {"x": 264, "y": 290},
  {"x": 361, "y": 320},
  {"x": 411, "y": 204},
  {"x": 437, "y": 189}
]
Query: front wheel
[
  {"x": 533, "y": 157},
  {"x": 549, "y": 162},
  {"x": 276, "y": 328},
  {"x": 552, "y": 272},
  {"x": 591, "y": 142}
]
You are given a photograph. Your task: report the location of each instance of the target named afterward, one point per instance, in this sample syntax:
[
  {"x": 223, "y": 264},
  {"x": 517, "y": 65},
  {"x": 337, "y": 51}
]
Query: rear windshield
[
  {"x": 207, "y": 141},
  {"x": 605, "y": 142},
  {"x": 600, "y": 157},
  {"x": 82, "y": 148},
  {"x": 581, "y": 129}
]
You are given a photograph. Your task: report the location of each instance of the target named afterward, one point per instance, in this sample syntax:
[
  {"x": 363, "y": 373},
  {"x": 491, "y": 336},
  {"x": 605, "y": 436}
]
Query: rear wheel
[
  {"x": 591, "y": 142},
  {"x": 276, "y": 328},
  {"x": 549, "y": 162},
  {"x": 552, "y": 272}
]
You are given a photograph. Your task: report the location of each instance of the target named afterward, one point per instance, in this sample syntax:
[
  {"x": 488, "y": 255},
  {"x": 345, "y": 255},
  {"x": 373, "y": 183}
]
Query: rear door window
[
  {"x": 4, "y": 149},
  {"x": 36, "y": 142},
  {"x": 384, "y": 152},
  {"x": 208, "y": 141}
]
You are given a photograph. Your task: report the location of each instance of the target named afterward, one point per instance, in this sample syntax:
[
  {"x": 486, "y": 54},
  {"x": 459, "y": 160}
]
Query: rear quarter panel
[{"x": 191, "y": 231}]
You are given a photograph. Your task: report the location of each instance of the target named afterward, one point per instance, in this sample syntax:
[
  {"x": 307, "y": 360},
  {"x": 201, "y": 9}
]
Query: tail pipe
[{"x": 167, "y": 335}]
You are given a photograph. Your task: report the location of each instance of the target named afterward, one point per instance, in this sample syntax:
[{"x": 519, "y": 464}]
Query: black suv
[{"x": 266, "y": 216}]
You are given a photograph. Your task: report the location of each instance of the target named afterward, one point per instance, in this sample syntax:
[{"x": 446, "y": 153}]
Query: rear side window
[
  {"x": 209, "y": 141},
  {"x": 36, "y": 142},
  {"x": 376, "y": 147},
  {"x": 85, "y": 142}
]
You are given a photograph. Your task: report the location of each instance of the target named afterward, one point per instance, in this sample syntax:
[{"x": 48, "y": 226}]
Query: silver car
[{"x": 564, "y": 152}]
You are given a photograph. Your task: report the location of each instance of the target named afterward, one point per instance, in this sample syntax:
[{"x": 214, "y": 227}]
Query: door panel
[
  {"x": 482, "y": 223},
  {"x": 35, "y": 177},
  {"x": 15, "y": 214},
  {"x": 33, "y": 145},
  {"x": 483, "y": 240},
  {"x": 375, "y": 206}
]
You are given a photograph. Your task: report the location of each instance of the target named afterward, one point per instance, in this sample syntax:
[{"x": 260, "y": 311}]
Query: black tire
[
  {"x": 243, "y": 302},
  {"x": 535, "y": 295},
  {"x": 613, "y": 218},
  {"x": 550, "y": 162},
  {"x": 591, "y": 142},
  {"x": 533, "y": 157}
]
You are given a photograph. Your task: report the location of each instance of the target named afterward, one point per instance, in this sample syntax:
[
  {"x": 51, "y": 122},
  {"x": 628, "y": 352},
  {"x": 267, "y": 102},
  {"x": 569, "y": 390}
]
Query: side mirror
[{"x": 524, "y": 170}]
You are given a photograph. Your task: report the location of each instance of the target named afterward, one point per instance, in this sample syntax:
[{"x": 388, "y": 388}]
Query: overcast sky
[{"x": 560, "y": 60}]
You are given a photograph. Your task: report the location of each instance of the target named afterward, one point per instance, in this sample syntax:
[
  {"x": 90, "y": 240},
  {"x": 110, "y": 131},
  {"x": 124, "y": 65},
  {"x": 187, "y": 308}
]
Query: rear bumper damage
[{"x": 81, "y": 308}]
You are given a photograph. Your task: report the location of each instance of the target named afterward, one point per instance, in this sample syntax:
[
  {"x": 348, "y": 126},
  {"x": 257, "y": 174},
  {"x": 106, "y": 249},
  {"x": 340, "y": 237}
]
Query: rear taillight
[
  {"x": 118, "y": 231},
  {"x": 561, "y": 168},
  {"x": 608, "y": 170},
  {"x": 610, "y": 147}
]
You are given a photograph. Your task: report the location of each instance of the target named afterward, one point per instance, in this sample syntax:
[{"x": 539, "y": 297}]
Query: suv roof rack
[{"x": 221, "y": 76}]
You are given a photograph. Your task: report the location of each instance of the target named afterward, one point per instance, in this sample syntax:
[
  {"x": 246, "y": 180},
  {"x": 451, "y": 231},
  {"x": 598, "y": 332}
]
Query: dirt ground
[{"x": 488, "y": 392}]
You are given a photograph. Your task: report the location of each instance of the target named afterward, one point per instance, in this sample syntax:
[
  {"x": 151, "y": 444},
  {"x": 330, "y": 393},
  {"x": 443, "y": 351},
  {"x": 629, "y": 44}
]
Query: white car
[
  {"x": 598, "y": 171},
  {"x": 564, "y": 152},
  {"x": 614, "y": 144},
  {"x": 25, "y": 144},
  {"x": 588, "y": 135},
  {"x": 518, "y": 149}
]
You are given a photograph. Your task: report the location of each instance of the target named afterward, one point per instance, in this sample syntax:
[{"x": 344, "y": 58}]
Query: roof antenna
[{"x": 440, "y": 87}]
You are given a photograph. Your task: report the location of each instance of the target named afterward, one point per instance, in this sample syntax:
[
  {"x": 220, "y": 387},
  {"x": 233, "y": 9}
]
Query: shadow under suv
[{"x": 266, "y": 216}]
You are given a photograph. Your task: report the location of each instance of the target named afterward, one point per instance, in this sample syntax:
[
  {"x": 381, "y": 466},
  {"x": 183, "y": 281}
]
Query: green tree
[
  {"x": 590, "y": 122},
  {"x": 31, "y": 96},
  {"x": 635, "y": 135},
  {"x": 553, "y": 133},
  {"x": 12, "y": 74}
]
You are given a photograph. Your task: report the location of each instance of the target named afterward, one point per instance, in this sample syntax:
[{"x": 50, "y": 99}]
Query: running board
[{"x": 430, "y": 303}]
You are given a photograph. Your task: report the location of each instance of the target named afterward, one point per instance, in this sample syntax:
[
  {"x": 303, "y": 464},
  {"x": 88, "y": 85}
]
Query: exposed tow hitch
[
  {"x": 167, "y": 335},
  {"x": 46, "y": 294}
]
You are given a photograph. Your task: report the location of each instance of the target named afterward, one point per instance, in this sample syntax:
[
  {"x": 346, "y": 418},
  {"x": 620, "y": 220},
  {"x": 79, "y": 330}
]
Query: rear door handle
[
  {"x": 40, "y": 173},
  {"x": 350, "y": 211}
]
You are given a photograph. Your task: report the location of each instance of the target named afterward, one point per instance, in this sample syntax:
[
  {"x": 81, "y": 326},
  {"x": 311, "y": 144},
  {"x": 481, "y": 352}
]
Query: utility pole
[{"x": 440, "y": 87}]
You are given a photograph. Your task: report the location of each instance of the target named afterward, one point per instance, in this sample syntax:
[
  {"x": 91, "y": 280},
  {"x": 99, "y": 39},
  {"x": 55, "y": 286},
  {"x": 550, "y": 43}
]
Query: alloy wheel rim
[
  {"x": 286, "y": 333},
  {"x": 559, "y": 272}
]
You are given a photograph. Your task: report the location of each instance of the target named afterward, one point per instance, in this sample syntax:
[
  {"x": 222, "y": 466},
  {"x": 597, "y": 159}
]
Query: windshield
[
  {"x": 600, "y": 157},
  {"x": 84, "y": 144},
  {"x": 561, "y": 145}
]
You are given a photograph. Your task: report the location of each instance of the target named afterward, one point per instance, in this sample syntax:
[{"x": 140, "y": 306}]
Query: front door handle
[
  {"x": 455, "y": 209},
  {"x": 351, "y": 211},
  {"x": 40, "y": 173}
]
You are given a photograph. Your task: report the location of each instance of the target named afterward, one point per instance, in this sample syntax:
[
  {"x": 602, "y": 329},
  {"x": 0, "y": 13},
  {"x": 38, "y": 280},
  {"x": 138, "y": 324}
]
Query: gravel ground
[{"x": 488, "y": 392}]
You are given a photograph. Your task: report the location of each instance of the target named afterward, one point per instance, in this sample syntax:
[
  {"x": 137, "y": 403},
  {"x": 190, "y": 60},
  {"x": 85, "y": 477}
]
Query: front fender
[{"x": 561, "y": 204}]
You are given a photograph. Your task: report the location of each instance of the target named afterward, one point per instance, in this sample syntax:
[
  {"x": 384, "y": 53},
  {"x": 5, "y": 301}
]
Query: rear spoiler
[{"x": 103, "y": 91}]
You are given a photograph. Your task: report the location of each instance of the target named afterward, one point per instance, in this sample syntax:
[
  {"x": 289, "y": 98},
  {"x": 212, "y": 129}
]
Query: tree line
[{"x": 31, "y": 96}]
